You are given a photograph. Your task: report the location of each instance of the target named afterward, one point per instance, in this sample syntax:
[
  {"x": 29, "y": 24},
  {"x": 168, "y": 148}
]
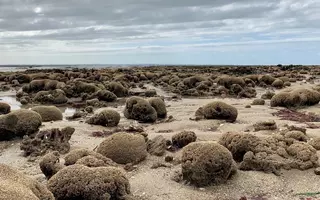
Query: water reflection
[
  {"x": 16, "y": 105},
  {"x": 68, "y": 111},
  {"x": 11, "y": 100}
]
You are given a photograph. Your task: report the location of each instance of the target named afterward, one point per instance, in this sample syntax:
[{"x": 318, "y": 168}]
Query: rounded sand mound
[
  {"x": 104, "y": 95},
  {"x": 82, "y": 182},
  {"x": 124, "y": 148},
  {"x": 117, "y": 89},
  {"x": 278, "y": 83},
  {"x": 183, "y": 139},
  {"x": 82, "y": 156},
  {"x": 4, "y": 108},
  {"x": 57, "y": 96},
  {"x": 239, "y": 144},
  {"x": 218, "y": 110},
  {"x": 158, "y": 104},
  {"x": 48, "y": 113},
  {"x": 295, "y": 98},
  {"x": 19, "y": 123},
  {"x": 107, "y": 117},
  {"x": 228, "y": 81},
  {"x": 140, "y": 109},
  {"x": 50, "y": 164},
  {"x": 258, "y": 102},
  {"x": 206, "y": 163}
]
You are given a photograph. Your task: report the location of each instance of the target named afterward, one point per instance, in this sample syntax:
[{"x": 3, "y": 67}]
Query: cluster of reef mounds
[
  {"x": 285, "y": 150},
  {"x": 295, "y": 98},
  {"x": 61, "y": 86},
  {"x": 96, "y": 174},
  {"x": 220, "y": 82},
  {"x": 85, "y": 175},
  {"x": 99, "y": 174},
  {"x": 144, "y": 110}
]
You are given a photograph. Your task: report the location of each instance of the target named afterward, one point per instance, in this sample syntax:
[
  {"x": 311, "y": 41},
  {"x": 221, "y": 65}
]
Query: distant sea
[{"x": 12, "y": 68}]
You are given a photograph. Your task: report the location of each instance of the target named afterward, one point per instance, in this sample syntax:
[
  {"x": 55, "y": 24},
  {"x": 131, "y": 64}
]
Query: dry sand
[{"x": 156, "y": 184}]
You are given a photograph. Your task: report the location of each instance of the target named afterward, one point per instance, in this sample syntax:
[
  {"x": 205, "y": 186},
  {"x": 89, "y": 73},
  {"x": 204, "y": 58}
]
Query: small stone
[
  {"x": 177, "y": 176},
  {"x": 157, "y": 146},
  {"x": 248, "y": 106},
  {"x": 160, "y": 164},
  {"x": 317, "y": 171},
  {"x": 183, "y": 138},
  {"x": 32, "y": 159},
  {"x": 130, "y": 167},
  {"x": 266, "y": 125},
  {"x": 168, "y": 158},
  {"x": 150, "y": 93}
]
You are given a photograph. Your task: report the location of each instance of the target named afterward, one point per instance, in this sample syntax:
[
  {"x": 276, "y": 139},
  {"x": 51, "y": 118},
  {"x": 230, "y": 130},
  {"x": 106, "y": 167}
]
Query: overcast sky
[{"x": 159, "y": 31}]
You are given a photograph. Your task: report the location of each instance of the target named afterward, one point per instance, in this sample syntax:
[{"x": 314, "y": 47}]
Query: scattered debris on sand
[
  {"x": 293, "y": 115},
  {"x": 47, "y": 140},
  {"x": 267, "y": 125}
]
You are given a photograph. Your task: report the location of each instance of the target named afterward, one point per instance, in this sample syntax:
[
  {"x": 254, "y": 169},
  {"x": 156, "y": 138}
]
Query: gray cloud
[{"x": 89, "y": 25}]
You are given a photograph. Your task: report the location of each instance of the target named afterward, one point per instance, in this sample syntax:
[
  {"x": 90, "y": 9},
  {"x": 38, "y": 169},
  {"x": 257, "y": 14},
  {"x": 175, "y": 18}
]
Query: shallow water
[
  {"x": 11, "y": 100},
  {"x": 16, "y": 105},
  {"x": 68, "y": 111},
  {"x": 13, "y": 68}
]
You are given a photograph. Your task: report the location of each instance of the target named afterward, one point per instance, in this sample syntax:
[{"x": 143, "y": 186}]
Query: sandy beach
[{"x": 158, "y": 184}]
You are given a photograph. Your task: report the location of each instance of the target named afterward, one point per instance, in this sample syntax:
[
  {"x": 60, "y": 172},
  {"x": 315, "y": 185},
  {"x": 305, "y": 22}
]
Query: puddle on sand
[
  {"x": 11, "y": 100},
  {"x": 16, "y": 105},
  {"x": 67, "y": 112}
]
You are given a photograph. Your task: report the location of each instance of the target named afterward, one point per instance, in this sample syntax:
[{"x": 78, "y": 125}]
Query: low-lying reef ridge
[
  {"x": 143, "y": 110},
  {"x": 294, "y": 115},
  {"x": 285, "y": 150},
  {"x": 59, "y": 87},
  {"x": 295, "y": 98}
]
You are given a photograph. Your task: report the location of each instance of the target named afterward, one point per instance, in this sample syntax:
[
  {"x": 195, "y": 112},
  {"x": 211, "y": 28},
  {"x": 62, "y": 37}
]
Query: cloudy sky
[{"x": 159, "y": 31}]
